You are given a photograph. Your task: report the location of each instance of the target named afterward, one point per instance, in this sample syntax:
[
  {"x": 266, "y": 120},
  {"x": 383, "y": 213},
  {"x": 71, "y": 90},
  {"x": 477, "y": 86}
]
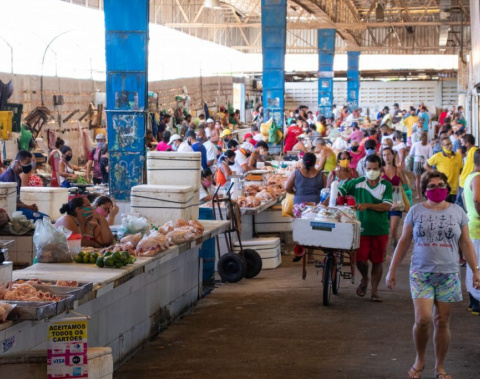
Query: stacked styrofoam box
[
  {"x": 21, "y": 251},
  {"x": 271, "y": 221},
  {"x": 8, "y": 197},
  {"x": 49, "y": 200},
  {"x": 268, "y": 248},
  {"x": 172, "y": 168},
  {"x": 161, "y": 203}
]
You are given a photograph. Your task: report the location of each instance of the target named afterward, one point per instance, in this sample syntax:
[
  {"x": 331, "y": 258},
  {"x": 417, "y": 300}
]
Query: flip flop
[
  {"x": 443, "y": 376},
  {"x": 362, "y": 290},
  {"x": 415, "y": 373},
  {"x": 376, "y": 299}
]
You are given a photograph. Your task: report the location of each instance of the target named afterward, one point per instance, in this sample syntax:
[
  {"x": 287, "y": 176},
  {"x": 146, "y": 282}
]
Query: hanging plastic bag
[
  {"x": 398, "y": 203},
  {"x": 287, "y": 205},
  {"x": 51, "y": 243},
  {"x": 409, "y": 163}
]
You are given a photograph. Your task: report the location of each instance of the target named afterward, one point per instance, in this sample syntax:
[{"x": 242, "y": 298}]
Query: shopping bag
[
  {"x": 407, "y": 197},
  {"x": 287, "y": 205},
  {"x": 51, "y": 243},
  {"x": 398, "y": 203}
]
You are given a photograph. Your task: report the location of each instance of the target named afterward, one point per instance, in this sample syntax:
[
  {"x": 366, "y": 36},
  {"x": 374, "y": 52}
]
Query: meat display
[
  {"x": 24, "y": 292},
  {"x": 5, "y": 309}
]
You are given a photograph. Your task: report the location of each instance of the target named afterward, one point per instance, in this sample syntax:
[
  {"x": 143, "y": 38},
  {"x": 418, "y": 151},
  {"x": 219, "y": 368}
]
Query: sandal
[
  {"x": 415, "y": 373},
  {"x": 362, "y": 290},
  {"x": 443, "y": 376},
  {"x": 376, "y": 299}
]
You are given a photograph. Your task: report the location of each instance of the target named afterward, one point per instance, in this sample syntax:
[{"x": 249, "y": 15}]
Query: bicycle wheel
[
  {"x": 336, "y": 275},
  {"x": 327, "y": 279}
]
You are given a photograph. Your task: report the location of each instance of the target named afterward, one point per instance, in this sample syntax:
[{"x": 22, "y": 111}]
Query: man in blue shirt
[
  {"x": 22, "y": 164},
  {"x": 426, "y": 118},
  {"x": 198, "y": 146}
]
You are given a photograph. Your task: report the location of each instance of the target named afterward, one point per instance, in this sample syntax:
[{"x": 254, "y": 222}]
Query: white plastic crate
[
  {"x": 271, "y": 221},
  {"x": 49, "y": 200},
  {"x": 268, "y": 248},
  {"x": 160, "y": 204}
]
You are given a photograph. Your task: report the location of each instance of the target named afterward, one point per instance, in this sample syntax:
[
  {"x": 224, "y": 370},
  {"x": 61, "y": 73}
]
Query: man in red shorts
[{"x": 373, "y": 196}]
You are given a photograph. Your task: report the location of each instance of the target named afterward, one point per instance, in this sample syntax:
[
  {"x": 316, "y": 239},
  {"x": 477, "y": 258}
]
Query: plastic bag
[
  {"x": 51, "y": 243},
  {"x": 287, "y": 205},
  {"x": 133, "y": 225},
  {"x": 398, "y": 203},
  {"x": 409, "y": 163}
]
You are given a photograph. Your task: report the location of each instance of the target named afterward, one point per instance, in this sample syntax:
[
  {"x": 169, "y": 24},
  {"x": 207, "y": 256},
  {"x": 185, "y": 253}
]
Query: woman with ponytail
[{"x": 306, "y": 183}]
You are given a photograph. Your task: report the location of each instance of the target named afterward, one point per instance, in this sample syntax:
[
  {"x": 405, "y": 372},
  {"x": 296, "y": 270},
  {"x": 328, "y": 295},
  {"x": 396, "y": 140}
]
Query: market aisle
[{"x": 274, "y": 326}]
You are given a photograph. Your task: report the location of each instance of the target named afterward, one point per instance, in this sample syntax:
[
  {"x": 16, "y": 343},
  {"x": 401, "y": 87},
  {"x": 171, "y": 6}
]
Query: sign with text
[{"x": 67, "y": 349}]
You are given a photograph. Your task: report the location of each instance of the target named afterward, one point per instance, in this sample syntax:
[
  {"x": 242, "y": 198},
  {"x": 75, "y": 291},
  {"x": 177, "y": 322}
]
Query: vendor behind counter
[{"x": 22, "y": 164}]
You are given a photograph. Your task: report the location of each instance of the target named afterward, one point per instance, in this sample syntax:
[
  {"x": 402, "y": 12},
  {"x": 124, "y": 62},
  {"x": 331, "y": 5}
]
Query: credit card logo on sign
[{"x": 323, "y": 226}]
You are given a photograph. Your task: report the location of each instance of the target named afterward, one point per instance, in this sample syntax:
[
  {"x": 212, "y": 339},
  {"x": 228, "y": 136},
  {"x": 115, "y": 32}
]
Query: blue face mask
[{"x": 370, "y": 151}]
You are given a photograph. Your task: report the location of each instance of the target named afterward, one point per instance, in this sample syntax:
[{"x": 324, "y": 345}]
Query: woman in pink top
[
  {"x": 164, "y": 146},
  {"x": 356, "y": 153}
]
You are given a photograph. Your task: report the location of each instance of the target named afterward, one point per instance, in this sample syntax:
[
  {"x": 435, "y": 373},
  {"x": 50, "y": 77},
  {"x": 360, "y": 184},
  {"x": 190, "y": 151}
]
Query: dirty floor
[{"x": 275, "y": 326}]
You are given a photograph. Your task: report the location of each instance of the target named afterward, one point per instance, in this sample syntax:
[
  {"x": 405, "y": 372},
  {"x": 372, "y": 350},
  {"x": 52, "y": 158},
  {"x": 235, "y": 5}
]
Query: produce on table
[
  {"x": 88, "y": 257},
  {"x": 81, "y": 180},
  {"x": 115, "y": 259},
  {"x": 24, "y": 292},
  {"x": 5, "y": 309}
]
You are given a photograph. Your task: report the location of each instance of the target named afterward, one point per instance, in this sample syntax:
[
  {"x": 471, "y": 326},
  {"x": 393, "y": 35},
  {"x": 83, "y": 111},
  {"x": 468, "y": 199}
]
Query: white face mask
[
  {"x": 372, "y": 174},
  {"x": 174, "y": 147}
]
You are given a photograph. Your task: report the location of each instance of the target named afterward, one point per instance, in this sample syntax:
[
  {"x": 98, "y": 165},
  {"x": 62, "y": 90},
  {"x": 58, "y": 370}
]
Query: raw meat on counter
[
  {"x": 134, "y": 239},
  {"x": 5, "y": 309},
  {"x": 60, "y": 283},
  {"x": 24, "y": 292}
]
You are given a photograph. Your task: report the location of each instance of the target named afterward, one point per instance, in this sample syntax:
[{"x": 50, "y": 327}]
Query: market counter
[{"x": 128, "y": 305}]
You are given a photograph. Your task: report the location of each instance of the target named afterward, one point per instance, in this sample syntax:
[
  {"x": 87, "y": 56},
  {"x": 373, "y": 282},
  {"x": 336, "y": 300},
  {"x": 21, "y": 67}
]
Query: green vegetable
[
  {"x": 86, "y": 258},
  {"x": 108, "y": 253},
  {"x": 117, "y": 257},
  {"x": 81, "y": 254},
  {"x": 78, "y": 259},
  {"x": 92, "y": 259},
  {"x": 132, "y": 259},
  {"x": 81, "y": 180},
  {"x": 109, "y": 262},
  {"x": 95, "y": 255},
  {"x": 125, "y": 257},
  {"x": 100, "y": 262},
  {"x": 119, "y": 265}
]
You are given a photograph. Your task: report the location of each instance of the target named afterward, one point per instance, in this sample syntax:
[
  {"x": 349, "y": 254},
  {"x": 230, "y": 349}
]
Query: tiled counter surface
[{"x": 128, "y": 305}]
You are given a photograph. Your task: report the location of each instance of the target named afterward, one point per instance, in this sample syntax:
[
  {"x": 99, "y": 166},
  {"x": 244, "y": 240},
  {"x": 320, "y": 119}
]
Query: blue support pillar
[
  {"x": 126, "y": 43},
  {"x": 353, "y": 80},
  {"x": 326, "y": 54},
  {"x": 274, "y": 35}
]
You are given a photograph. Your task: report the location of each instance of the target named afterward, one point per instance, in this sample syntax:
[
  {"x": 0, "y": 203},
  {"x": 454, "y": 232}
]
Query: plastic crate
[{"x": 17, "y": 110}]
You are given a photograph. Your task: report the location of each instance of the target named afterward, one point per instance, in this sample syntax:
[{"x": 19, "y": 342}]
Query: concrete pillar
[
  {"x": 126, "y": 43},
  {"x": 353, "y": 80},
  {"x": 274, "y": 35},
  {"x": 326, "y": 54}
]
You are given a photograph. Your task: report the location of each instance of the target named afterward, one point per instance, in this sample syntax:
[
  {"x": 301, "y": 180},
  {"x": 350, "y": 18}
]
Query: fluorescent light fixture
[{"x": 214, "y": 4}]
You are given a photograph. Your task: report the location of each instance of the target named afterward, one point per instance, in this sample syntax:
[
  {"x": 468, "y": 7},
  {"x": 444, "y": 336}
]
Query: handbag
[
  {"x": 287, "y": 205},
  {"x": 398, "y": 202}
]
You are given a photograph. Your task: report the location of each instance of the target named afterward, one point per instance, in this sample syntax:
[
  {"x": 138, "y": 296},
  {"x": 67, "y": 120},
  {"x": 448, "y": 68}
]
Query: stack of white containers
[
  {"x": 176, "y": 169},
  {"x": 49, "y": 200},
  {"x": 268, "y": 248},
  {"x": 8, "y": 197},
  {"x": 160, "y": 204}
]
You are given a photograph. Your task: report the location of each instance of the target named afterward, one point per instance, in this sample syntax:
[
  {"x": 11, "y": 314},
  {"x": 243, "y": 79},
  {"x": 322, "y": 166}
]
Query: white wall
[{"x": 376, "y": 94}]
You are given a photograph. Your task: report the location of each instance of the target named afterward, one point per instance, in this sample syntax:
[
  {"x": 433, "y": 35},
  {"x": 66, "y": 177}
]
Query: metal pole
[{"x": 11, "y": 52}]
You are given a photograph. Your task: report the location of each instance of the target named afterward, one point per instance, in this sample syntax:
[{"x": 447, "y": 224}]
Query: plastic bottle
[{"x": 333, "y": 194}]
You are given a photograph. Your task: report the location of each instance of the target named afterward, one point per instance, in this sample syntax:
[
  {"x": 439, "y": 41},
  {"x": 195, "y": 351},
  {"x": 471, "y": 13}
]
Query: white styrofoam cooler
[
  {"x": 268, "y": 248},
  {"x": 160, "y": 204},
  {"x": 49, "y": 200},
  {"x": 8, "y": 197},
  {"x": 333, "y": 235},
  {"x": 172, "y": 168},
  {"x": 271, "y": 221}
]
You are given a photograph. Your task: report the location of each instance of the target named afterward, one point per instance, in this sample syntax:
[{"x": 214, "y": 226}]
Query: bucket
[
  {"x": 75, "y": 243},
  {"x": 207, "y": 252}
]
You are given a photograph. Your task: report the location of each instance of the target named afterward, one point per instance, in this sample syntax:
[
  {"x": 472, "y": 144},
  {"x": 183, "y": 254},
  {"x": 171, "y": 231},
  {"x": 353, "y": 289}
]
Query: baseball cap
[
  {"x": 100, "y": 136},
  {"x": 174, "y": 138},
  {"x": 247, "y": 146},
  {"x": 226, "y": 132},
  {"x": 209, "y": 120}
]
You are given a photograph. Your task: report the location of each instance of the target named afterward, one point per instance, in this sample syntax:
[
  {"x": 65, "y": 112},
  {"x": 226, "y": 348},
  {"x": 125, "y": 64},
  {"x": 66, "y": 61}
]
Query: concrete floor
[{"x": 275, "y": 326}]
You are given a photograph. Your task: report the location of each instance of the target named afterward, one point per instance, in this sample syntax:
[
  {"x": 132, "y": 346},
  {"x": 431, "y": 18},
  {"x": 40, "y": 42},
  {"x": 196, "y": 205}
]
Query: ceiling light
[{"x": 214, "y": 4}]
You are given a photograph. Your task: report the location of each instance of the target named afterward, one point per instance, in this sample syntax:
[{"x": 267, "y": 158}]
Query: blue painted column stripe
[
  {"x": 326, "y": 54},
  {"x": 126, "y": 43},
  {"x": 274, "y": 35},
  {"x": 353, "y": 80}
]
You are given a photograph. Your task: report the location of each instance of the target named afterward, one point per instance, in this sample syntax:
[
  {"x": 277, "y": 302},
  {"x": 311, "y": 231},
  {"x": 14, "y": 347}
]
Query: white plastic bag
[
  {"x": 51, "y": 243},
  {"x": 398, "y": 204}
]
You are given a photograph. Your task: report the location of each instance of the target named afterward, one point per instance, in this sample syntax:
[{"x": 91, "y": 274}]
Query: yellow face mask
[
  {"x": 446, "y": 150},
  {"x": 344, "y": 163}
]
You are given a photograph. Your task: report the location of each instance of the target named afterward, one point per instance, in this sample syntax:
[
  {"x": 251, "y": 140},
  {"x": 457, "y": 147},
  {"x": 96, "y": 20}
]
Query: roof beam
[
  {"x": 344, "y": 49},
  {"x": 321, "y": 25}
]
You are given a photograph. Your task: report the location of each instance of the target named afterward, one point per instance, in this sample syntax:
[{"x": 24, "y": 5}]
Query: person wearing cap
[
  {"x": 209, "y": 126},
  {"x": 94, "y": 160},
  {"x": 259, "y": 154},
  {"x": 241, "y": 158},
  {"x": 198, "y": 145},
  {"x": 175, "y": 142}
]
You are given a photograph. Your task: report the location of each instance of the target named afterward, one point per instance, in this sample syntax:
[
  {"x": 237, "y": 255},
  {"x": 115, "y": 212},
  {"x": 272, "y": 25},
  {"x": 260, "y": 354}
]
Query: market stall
[{"x": 127, "y": 305}]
